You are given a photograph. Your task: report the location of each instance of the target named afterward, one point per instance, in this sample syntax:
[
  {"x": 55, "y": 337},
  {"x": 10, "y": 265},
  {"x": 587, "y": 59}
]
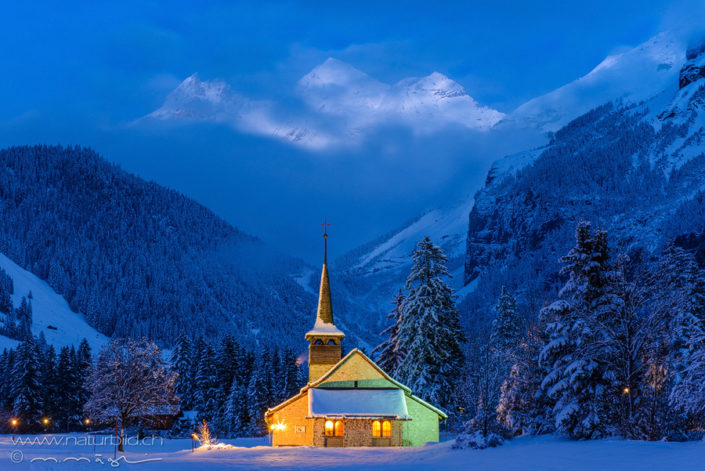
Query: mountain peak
[
  {"x": 438, "y": 85},
  {"x": 634, "y": 75},
  {"x": 333, "y": 72}
]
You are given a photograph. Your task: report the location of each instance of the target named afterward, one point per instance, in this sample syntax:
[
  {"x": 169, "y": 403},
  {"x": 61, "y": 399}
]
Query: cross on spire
[{"x": 325, "y": 240}]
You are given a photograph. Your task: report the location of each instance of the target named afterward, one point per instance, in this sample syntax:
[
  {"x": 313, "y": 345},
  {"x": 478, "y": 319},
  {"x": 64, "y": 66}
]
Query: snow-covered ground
[
  {"x": 526, "y": 453},
  {"x": 51, "y": 313}
]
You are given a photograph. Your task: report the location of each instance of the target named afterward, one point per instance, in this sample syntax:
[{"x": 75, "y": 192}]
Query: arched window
[
  {"x": 331, "y": 342},
  {"x": 386, "y": 428},
  {"x": 318, "y": 342},
  {"x": 376, "y": 428},
  {"x": 330, "y": 431},
  {"x": 339, "y": 428}
]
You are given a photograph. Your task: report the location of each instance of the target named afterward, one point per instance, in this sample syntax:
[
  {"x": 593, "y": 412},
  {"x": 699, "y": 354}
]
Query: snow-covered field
[{"x": 526, "y": 453}]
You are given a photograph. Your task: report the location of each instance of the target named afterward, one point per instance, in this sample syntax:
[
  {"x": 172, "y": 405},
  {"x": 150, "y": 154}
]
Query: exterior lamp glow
[
  {"x": 271, "y": 427},
  {"x": 13, "y": 422},
  {"x": 45, "y": 421},
  {"x": 625, "y": 390}
]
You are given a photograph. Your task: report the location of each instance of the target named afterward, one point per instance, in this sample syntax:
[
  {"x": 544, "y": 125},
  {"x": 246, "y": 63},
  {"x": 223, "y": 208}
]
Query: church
[{"x": 348, "y": 401}]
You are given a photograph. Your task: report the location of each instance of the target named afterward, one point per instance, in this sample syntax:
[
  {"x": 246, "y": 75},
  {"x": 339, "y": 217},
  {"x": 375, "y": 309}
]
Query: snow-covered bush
[{"x": 478, "y": 440}]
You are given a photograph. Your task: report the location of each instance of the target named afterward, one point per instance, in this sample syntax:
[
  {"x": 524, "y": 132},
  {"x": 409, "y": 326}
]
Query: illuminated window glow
[
  {"x": 386, "y": 428},
  {"x": 376, "y": 428},
  {"x": 339, "y": 429},
  {"x": 329, "y": 428}
]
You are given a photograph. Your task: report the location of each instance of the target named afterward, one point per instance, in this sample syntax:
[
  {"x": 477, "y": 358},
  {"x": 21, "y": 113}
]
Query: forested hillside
[
  {"x": 139, "y": 259},
  {"x": 636, "y": 170}
]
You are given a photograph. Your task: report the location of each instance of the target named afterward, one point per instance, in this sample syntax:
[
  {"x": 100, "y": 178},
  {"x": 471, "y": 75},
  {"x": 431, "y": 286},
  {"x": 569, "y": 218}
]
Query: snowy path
[{"x": 529, "y": 453}]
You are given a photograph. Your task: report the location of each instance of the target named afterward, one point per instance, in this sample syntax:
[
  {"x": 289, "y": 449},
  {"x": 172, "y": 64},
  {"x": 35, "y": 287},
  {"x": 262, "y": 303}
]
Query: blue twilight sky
[{"x": 81, "y": 72}]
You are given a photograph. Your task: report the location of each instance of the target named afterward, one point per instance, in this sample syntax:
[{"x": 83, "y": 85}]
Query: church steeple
[
  {"x": 324, "y": 348},
  {"x": 324, "y": 313}
]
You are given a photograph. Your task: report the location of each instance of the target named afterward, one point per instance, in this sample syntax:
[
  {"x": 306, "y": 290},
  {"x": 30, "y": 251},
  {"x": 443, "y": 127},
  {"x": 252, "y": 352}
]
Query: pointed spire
[
  {"x": 324, "y": 315},
  {"x": 325, "y": 307}
]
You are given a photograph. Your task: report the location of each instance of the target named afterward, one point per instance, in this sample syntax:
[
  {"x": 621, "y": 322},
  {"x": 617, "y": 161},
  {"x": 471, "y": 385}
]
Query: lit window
[
  {"x": 386, "y": 428},
  {"x": 329, "y": 428},
  {"x": 339, "y": 428},
  {"x": 376, "y": 428}
]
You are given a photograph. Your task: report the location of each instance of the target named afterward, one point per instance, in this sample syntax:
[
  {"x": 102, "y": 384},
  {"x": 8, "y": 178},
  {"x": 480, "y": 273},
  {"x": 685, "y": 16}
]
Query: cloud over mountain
[{"x": 338, "y": 105}]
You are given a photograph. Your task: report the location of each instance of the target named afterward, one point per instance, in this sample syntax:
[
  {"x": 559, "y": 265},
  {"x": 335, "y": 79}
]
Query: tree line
[
  {"x": 220, "y": 382},
  {"x": 619, "y": 352},
  {"x": 36, "y": 384}
]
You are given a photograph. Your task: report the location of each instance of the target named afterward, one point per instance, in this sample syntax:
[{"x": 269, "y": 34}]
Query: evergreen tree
[
  {"x": 6, "y": 367},
  {"x": 82, "y": 368},
  {"x": 495, "y": 361},
  {"x": 205, "y": 395},
  {"x": 290, "y": 374},
  {"x": 258, "y": 395},
  {"x": 49, "y": 382},
  {"x": 181, "y": 362},
  {"x": 6, "y": 289},
  {"x": 390, "y": 355},
  {"x": 66, "y": 392},
  {"x": 236, "y": 410},
  {"x": 430, "y": 331},
  {"x": 689, "y": 394},
  {"x": 522, "y": 407},
  {"x": 26, "y": 383},
  {"x": 23, "y": 315},
  {"x": 578, "y": 382}
]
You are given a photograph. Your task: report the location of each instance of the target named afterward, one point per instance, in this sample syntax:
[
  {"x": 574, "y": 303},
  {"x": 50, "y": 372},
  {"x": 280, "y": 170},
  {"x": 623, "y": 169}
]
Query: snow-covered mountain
[
  {"x": 425, "y": 104},
  {"x": 636, "y": 170},
  {"x": 632, "y": 76},
  {"x": 649, "y": 71},
  {"x": 51, "y": 315},
  {"x": 339, "y": 104},
  {"x": 216, "y": 102},
  {"x": 372, "y": 274}
]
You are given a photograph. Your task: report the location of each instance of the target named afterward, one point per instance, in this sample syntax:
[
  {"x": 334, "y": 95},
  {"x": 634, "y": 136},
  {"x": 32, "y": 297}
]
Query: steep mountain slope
[
  {"x": 51, "y": 315},
  {"x": 374, "y": 271},
  {"x": 138, "y": 259},
  {"x": 372, "y": 274},
  {"x": 637, "y": 170},
  {"x": 632, "y": 76}
]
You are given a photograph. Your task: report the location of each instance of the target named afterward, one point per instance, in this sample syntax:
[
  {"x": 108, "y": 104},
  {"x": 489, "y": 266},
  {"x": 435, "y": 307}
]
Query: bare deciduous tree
[{"x": 129, "y": 380}]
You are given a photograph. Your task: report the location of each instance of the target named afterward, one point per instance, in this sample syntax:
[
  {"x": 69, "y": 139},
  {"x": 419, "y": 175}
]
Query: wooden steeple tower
[{"x": 324, "y": 348}]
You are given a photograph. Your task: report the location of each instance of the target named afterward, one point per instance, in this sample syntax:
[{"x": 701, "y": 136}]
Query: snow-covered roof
[
  {"x": 315, "y": 385},
  {"x": 357, "y": 403},
  {"x": 324, "y": 328}
]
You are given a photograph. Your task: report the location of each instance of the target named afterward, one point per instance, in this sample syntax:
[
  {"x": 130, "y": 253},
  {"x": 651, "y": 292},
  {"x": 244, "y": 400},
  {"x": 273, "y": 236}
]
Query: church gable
[{"x": 357, "y": 371}]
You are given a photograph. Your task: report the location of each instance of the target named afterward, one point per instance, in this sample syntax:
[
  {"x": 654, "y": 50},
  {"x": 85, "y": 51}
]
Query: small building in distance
[{"x": 349, "y": 401}]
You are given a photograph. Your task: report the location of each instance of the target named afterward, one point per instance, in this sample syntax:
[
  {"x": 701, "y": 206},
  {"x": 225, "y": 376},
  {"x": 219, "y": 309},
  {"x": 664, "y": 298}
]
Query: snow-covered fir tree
[
  {"x": 494, "y": 364},
  {"x": 181, "y": 361},
  {"x": 26, "y": 379},
  {"x": 522, "y": 407},
  {"x": 258, "y": 395},
  {"x": 49, "y": 382},
  {"x": 236, "y": 418},
  {"x": 389, "y": 355},
  {"x": 430, "y": 331},
  {"x": 578, "y": 382},
  {"x": 206, "y": 393}
]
